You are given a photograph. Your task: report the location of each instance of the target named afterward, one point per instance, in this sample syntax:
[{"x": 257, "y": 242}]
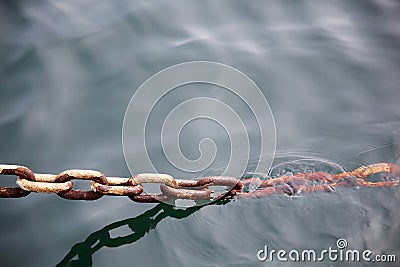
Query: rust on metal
[
  {"x": 150, "y": 198},
  {"x": 365, "y": 171},
  {"x": 119, "y": 190},
  {"x": 152, "y": 178},
  {"x": 21, "y": 172},
  {"x": 186, "y": 193},
  {"x": 172, "y": 188},
  {"x": 44, "y": 187},
  {"x": 80, "y": 195},
  {"x": 74, "y": 194},
  {"x": 81, "y": 175}
]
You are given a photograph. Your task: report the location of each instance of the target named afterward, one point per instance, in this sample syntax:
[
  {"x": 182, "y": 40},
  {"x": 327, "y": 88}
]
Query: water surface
[{"x": 329, "y": 70}]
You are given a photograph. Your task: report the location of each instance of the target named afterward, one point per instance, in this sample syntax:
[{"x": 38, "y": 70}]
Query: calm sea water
[{"x": 329, "y": 69}]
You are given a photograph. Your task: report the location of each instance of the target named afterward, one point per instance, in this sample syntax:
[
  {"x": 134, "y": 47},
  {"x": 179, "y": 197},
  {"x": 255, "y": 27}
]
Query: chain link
[
  {"x": 22, "y": 173},
  {"x": 171, "y": 188}
]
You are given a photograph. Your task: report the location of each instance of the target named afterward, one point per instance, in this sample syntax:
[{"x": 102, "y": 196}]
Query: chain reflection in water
[{"x": 139, "y": 225}]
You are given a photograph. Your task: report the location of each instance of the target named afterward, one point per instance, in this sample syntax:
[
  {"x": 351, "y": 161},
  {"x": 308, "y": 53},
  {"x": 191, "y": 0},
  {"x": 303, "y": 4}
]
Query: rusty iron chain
[{"x": 171, "y": 188}]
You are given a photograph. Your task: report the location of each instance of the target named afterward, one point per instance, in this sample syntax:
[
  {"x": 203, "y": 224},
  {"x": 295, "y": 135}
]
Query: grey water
[{"x": 329, "y": 70}]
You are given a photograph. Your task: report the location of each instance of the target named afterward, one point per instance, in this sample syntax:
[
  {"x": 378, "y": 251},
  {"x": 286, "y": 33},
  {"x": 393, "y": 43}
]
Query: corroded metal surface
[{"x": 171, "y": 188}]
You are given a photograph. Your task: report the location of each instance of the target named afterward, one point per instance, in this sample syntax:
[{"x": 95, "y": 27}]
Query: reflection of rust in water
[{"x": 172, "y": 188}]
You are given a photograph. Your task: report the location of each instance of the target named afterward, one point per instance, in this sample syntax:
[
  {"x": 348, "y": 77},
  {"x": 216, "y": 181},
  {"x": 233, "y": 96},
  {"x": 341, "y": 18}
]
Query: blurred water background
[{"x": 329, "y": 69}]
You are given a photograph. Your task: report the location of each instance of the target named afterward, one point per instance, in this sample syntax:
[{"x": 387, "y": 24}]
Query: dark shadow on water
[{"x": 81, "y": 253}]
